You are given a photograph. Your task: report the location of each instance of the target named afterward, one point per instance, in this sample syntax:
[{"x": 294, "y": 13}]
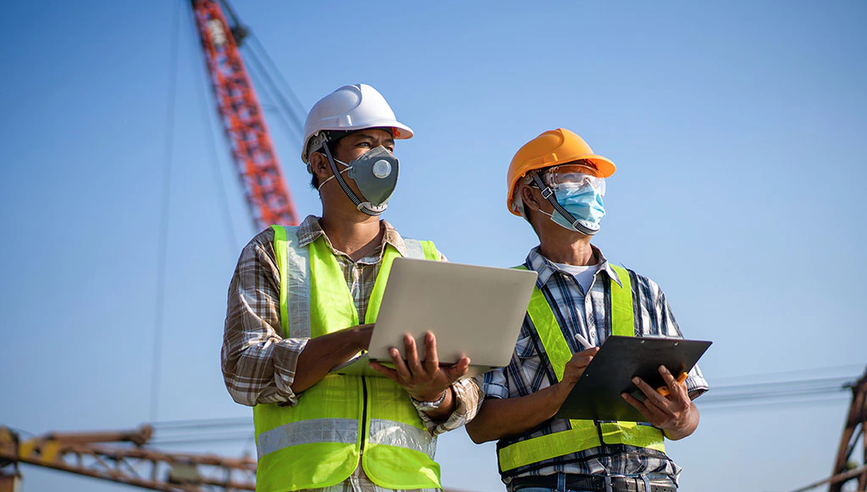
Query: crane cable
[
  {"x": 162, "y": 244},
  {"x": 286, "y": 113},
  {"x": 293, "y": 109},
  {"x": 722, "y": 398}
]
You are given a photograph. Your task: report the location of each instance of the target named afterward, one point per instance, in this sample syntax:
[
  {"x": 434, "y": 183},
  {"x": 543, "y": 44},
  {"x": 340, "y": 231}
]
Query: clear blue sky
[{"x": 737, "y": 128}]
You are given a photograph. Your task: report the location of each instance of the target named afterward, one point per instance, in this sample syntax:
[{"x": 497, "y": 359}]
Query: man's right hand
[
  {"x": 508, "y": 417},
  {"x": 573, "y": 370},
  {"x": 323, "y": 353}
]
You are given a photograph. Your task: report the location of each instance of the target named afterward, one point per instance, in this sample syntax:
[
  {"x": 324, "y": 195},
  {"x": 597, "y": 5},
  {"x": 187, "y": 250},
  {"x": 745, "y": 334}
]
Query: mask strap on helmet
[
  {"x": 548, "y": 194},
  {"x": 346, "y": 189},
  {"x": 317, "y": 141}
]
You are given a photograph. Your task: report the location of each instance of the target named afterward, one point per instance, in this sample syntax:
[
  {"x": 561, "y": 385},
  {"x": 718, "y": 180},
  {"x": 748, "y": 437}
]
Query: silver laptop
[{"x": 474, "y": 311}]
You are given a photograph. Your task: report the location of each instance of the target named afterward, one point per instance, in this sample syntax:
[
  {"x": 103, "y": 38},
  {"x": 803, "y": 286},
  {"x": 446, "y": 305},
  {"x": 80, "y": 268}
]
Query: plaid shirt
[
  {"x": 530, "y": 370},
  {"x": 259, "y": 363}
]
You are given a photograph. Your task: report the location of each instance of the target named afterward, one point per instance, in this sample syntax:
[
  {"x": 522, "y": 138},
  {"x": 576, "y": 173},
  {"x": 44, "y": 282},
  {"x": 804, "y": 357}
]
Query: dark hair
[
  {"x": 332, "y": 146},
  {"x": 314, "y": 179}
]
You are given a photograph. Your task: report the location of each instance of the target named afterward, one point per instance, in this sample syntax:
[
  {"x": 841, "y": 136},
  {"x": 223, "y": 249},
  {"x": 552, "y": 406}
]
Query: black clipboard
[{"x": 596, "y": 395}]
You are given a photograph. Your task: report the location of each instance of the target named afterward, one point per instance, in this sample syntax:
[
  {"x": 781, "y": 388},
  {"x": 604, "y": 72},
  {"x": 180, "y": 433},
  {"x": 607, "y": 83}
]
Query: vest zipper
[{"x": 363, "y": 412}]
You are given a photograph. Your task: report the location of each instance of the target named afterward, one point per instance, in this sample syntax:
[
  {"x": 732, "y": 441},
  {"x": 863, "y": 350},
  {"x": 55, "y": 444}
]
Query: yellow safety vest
[
  {"x": 582, "y": 434},
  {"x": 317, "y": 443}
]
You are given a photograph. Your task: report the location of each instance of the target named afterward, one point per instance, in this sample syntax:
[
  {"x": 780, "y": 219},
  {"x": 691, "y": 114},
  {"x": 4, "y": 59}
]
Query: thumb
[{"x": 458, "y": 370}]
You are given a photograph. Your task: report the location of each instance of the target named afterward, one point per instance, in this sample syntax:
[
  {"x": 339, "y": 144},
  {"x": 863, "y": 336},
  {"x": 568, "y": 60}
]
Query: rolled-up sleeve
[
  {"x": 696, "y": 385},
  {"x": 468, "y": 399},
  {"x": 495, "y": 384},
  {"x": 258, "y": 363}
]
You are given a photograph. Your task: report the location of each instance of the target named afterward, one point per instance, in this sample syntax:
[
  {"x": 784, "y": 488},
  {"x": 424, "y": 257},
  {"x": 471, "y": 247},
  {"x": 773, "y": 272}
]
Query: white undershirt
[{"x": 583, "y": 274}]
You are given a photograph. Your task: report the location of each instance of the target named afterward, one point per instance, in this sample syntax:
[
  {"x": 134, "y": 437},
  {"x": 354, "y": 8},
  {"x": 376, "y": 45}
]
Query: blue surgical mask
[{"x": 584, "y": 202}]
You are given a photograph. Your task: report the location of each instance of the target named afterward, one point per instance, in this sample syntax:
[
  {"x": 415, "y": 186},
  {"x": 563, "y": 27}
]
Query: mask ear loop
[
  {"x": 346, "y": 189},
  {"x": 548, "y": 194},
  {"x": 329, "y": 178}
]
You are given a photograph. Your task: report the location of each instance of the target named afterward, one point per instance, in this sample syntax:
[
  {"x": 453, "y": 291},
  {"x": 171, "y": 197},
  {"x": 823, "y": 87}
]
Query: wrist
[
  {"x": 683, "y": 427},
  {"x": 561, "y": 392},
  {"x": 361, "y": 337},
  {"x": 433, "y": 403}
]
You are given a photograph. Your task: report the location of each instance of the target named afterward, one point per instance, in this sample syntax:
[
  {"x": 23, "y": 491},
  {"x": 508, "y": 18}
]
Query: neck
[
  {"x": 351, "y": 231},
  {"x": 564, "y": 246}
]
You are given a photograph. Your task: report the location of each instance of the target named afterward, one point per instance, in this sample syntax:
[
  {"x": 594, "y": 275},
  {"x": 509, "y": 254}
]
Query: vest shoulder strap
[
  {"x": 421, "y": 249},
  {"x": 622, "y": 310},
  {"x": 293, "y": 262}
]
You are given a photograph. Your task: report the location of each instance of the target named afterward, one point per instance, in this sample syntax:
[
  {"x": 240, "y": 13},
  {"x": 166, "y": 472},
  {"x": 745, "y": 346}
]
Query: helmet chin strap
[
  {"x": 548, "y": 194},
  {"x": 365, "y": 207}
]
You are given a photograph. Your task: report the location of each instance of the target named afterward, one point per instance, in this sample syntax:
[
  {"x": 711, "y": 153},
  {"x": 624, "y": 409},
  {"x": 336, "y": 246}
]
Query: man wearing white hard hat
[
  {"x": 303, "y": 300},
  {"x": 557, "y": 183}
]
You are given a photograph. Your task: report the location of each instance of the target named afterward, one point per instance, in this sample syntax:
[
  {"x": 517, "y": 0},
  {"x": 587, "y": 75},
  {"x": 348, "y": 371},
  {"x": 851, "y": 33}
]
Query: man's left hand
[
  {"x": 675, "y": 414},
  {"x": 423, "y": 381}
]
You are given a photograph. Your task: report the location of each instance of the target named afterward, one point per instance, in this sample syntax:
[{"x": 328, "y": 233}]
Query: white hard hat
[{"x": 352, "y": 107}]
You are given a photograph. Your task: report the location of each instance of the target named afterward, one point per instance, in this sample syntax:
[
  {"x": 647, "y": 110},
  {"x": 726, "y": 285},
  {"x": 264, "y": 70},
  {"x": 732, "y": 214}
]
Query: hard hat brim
[
  {"x": 605, "y": 167},
  {"x": 401, "y": 131}
]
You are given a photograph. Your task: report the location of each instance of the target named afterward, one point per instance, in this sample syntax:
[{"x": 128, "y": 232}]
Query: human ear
[
  {"x": 319, "y": 165},
  {"x": 529, "y": 198}
]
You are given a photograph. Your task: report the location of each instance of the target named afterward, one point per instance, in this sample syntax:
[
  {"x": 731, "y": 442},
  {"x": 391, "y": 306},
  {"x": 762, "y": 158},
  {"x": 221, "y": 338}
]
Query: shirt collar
[
  {"x": 546, "y": 268},
  {"x": 310, "y": 230}
]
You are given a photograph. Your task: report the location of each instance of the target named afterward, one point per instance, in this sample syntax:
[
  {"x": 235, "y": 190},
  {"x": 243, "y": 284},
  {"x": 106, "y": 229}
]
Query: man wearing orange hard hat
[{"x": 557, "y": 184}]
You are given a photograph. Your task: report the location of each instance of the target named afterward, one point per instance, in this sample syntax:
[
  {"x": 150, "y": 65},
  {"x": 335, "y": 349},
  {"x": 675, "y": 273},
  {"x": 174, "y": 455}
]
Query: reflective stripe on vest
[
  {"x": 345, "y": 431},
  {"x": 317, "y": 442},
  {"x": 583, "y": 434}
]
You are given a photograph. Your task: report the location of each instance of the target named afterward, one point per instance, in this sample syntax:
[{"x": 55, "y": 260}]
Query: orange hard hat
[{"x": 552, "y": 148}]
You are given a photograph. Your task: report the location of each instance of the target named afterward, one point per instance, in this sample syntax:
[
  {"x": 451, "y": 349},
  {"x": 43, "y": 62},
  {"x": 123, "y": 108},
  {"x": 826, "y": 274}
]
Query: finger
[
  {"x": 586, "y": 353},
  {"x": 680, "y": 392},
  {"x": 666, "y": 375},
  {"x": 651, "y": 412},
  {"x": 583, "y": 361},
  {"x": 676, "y": 390},
  {"x": 399, "y": 365},
  {"x": 641, "y": 407},
  {"x": 669, "y": 388},
  {"x": 412, "y": 355},
  {"x": 650, "y": 394},
  {"x": 458, "y": 370},
  {"x": 385, "y": 371},
  {"x": 431, "y": 360},
  {"x": 584, "y": 357}
]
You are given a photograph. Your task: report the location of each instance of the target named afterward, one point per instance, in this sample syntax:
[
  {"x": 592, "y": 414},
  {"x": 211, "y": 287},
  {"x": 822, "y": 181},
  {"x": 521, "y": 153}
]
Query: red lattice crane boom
[{"x": 243, "y": 121}]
